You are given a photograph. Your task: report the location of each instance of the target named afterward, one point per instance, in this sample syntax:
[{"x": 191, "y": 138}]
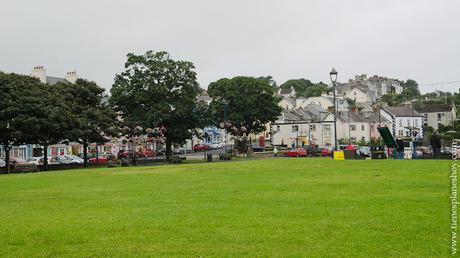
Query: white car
[
  {"x": 2, "y": 163},
  {"x": 74, "y": 159},
  {"x": 216, "y": 145},
  {"x": 35, "y": 160}
]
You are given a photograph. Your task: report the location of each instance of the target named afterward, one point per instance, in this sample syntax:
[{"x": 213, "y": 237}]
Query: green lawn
[{"x": 277, "y": 207}]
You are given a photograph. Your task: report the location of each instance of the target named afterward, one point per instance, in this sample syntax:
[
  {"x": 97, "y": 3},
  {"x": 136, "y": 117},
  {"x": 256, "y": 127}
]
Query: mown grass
[{"x": 275, "y": 207}]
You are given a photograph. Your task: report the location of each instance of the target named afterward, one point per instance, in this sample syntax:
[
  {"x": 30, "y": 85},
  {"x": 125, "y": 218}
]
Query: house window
[
  {"x": 401, "y": 133},
  {"x": 400, "y": 122},
  {"x": 439, "y": 125},
  {"x": 352, "y": 127},
  {"x": 313, "y": 127},
  {"x": 295, "y": 128},
  {"x": 278, "y": 128},
  {"x": 327, "y": 127},
  {"x": 439, "y": 116},
  {"x": 408, "y": 122},
  {"x": 362, "y": 127}
]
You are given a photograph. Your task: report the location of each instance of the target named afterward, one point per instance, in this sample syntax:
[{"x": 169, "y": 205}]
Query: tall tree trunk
[
  {"x": 7, "y": 157},
  {"x": 168, "y": 150},
  {"x": 85, "y": 154},
  {"x": 45, "y": 156}
]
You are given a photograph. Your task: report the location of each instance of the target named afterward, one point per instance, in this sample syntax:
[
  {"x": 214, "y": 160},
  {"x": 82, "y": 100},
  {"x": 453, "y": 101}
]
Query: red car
[
  {"x": 297, "y": 153},
  {"x": 200, "y": 147},
  {"x": 325, "y": 152},
  {"x": 103, "y": 159}
]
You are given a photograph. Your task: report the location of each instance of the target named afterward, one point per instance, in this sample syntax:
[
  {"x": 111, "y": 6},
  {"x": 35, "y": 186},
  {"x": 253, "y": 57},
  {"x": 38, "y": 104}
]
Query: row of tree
[
  {"x": 32, "y": 112},
  {"x": 153, "y": 92}
]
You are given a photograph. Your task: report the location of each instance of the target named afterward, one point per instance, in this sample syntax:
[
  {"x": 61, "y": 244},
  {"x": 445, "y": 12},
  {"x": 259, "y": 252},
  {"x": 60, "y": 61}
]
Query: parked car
[
  {"x": 103, "y": 159},
  {"x": 39, "y": 161},
  {"x": 74, "y": 159},
  {"x": 61, "y": 160},
  {"x": 297, "y": 153},
  {"x": 364, "y": 151},
  {"x": 312, "y": 151},
  {"x": 2, "y": 163},
  {"x": 217, "y": 145},
  {"x": 325, "y": 152},
  {"x": 35, "y": 160},
  {"x": 446, "y": 151},
  {"x": 16, "y": 161},
  {"x": 200, "y": 147}
]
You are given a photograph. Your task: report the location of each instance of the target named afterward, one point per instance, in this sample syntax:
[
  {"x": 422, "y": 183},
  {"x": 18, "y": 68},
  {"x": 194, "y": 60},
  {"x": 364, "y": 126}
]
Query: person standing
[
  {"x": 435, "y": 143},
  {"x": 275, "y": 152},
  {"x": 399, "y": 150}
]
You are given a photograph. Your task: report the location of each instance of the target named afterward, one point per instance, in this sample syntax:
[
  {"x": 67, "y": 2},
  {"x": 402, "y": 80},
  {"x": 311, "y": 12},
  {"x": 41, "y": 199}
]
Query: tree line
[
  {"x": 155, "y": 95},
  {"x": 32, "y": 112}
]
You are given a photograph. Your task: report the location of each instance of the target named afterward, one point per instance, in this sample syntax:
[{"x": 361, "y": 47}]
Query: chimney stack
[
  {"x": 71, "y": 76},
  {"x": 40, "y": 73}
]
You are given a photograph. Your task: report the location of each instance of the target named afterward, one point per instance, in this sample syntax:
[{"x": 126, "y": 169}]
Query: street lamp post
[{"x": 333, "y": 76}]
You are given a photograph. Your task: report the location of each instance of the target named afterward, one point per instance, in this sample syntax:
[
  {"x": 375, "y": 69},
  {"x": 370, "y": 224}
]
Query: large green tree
[
  {"x": 304, "y": 87},
  {"x": 18, "y": 93},
  {"x": 243, "y": 105},
  {"x": 158, "y": 91},
  {"x": 96, "y": 119},
  {"x": 410, "y": 90},
  {"x": 53, "y": 119}
]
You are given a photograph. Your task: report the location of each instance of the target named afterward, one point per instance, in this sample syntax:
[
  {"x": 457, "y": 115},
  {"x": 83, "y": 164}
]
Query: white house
[
  {"x": 40, "y": 73},
  {"x": 309, "y": 125},
  {"x": 327, "y": 102},
  {"x": 404, "y": 120},
  {"x": 436, "y": 115},
  {"x": 287, "y": 103},
  {"x": 287, "y": 93},
  {"x": 358, "y": 95},
  {"x": 353, "y": 126}
]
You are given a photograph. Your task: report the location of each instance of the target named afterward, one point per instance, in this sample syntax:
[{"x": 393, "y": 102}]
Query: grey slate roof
[
  {"x": 54, "y": 80},
  {"x": 375, "y": 118},
  {"x": 436, "y": 108},
  {"x": 401, "y": 111},
  {"x": 352, "y": 117},
  {"x": 290, "y": 100}
]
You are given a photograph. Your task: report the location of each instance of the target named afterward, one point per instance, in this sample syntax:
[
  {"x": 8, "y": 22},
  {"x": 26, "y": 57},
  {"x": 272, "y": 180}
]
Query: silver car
[{"x": 74, "y": 159}]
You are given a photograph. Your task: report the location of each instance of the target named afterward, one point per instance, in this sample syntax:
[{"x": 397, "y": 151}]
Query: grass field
[{"x": 277, "y": 207}]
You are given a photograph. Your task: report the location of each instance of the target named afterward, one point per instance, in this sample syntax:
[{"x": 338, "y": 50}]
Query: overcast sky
[{"x": 286, "y": 39}]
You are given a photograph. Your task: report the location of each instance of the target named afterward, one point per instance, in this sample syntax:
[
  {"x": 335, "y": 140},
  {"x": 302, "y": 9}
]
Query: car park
[{"x": 297, "y": 153}]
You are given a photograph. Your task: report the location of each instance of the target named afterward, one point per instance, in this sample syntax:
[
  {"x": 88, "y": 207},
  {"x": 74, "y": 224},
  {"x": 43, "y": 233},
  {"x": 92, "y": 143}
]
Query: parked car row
[{"x": 212, "y": 146}]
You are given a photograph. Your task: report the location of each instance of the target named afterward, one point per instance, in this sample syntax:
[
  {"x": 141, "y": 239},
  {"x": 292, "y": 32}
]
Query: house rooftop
[
  {"x": 435, "y": 108},
  {"x": 286, "y": 91},
  {"x": 401, "y": 111}
]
